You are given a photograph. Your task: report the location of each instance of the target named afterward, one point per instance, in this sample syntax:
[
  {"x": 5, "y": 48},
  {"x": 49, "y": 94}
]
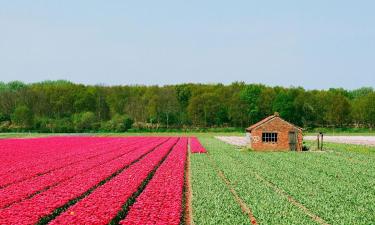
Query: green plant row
[
  {"x": 212, "y": 202},
  {"x": 268, "y": 207},
  {"x": 336, "y": 185}
]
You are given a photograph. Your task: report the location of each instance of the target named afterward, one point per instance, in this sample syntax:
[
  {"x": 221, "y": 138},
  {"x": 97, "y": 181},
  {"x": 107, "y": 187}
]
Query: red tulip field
[
  {"x": 196, "y": 146},
  {"x": 92, "y": 180}
]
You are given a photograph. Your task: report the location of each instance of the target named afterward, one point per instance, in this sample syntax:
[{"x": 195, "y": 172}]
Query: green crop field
[{"x": 331, "y": 187}]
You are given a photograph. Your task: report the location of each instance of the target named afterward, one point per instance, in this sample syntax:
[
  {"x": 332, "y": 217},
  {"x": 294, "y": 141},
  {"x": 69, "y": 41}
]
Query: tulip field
[
  {"x": 181, "y": 180},
  {"x": 92, "y": 180},
  {"x": 196, "y": 146}
]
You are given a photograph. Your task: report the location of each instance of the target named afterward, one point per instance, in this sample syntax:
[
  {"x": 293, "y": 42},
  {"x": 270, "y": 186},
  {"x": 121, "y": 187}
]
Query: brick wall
[{"x": 282, "y": 129}]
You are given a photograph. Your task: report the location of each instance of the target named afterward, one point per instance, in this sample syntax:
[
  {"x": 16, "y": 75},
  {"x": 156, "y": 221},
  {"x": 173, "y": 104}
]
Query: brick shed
[{"x": 275, "y": 134}]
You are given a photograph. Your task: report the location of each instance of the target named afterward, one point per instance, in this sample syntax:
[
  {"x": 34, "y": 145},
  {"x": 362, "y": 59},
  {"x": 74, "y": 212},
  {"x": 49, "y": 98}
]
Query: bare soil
[
  {"x": 188, "y": 193},
  {"x": 357, "y": 140},
  {"x": 234, "y": 140}
]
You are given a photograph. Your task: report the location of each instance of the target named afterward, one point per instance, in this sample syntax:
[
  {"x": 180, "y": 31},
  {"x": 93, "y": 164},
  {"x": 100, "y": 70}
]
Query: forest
[{"x": 63, "y": 106}]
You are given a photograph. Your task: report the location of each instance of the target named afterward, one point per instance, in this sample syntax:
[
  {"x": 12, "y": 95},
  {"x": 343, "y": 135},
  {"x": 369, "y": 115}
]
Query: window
[{"x": 269, "y": 137}]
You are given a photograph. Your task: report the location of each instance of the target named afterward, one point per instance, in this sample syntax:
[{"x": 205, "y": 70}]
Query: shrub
[
  {"x": 4, "y": 117},
  {"x": 5, "y": 126},
  {"x": 84, "y": 121},
  {"x": 62, "y": 125},
  {"x": 22, "y": 117},
  {"x": 118, "y": 123}
]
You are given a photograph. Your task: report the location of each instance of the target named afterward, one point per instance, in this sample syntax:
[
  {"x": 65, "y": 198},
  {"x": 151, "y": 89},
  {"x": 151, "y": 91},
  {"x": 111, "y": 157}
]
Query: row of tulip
[
  {"x": 196, "y": 146},
  {"x": 31, "y": 210},
  {"x": 18, "y": 191},
  {"x": 40, "y": 150},
  {"x": 101, "y": 206},
  {"x": 161, "y": 201},
  {"x": 67, "y": 156}
]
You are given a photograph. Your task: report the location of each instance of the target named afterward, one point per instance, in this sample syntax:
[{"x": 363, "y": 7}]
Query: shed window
[{"x": 269, "y": 137}]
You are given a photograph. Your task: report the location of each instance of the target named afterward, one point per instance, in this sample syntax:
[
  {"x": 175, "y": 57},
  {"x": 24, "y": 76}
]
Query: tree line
[{"x": 63, "y": 106}]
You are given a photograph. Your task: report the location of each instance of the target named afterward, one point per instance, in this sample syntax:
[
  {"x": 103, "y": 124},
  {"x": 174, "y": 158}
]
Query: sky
[{"x": 314, "y": 44}]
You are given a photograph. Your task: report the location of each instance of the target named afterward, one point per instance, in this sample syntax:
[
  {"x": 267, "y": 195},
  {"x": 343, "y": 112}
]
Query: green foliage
[
  {"x": 16, "y": 85},
  {"x": 85, "y": 121},
  {"x": 284, "y": 105},
  {"x": 60, "y": 125},
  {"x": 118, "y": 123},
  {"x": 212, "y": 202},
  {"x": 251, "y": 94},
  {"x": 185, "y": 106},
  {"x": 5, "y": 126},
  {"x": 4, "y": 117},
  {"x": 338, "y": 110},
  {"x": 205, "y": 110},
  {"x": 22, "y": 116}
]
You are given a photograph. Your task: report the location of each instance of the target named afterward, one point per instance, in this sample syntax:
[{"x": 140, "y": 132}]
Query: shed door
[{"x": 292, "y": 141}]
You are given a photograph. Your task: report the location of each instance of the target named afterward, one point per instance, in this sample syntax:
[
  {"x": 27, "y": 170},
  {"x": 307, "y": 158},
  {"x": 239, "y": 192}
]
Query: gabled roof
[
  {"x": 267, "y": 119},
  {"x": 260, "y": 123}
]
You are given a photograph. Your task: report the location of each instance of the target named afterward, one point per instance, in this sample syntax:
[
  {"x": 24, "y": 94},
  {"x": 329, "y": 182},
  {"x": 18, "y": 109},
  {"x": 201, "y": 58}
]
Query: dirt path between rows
[
  {"x": 278, "y": 190},
  {"x": 239, "y": 201},
  {"x": 188, "y": 193},
  {"x": 283, "y": 193}
]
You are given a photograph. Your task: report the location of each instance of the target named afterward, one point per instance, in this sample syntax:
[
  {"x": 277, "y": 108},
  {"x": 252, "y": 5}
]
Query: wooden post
[
  {"x": 318, "y": 141},
  {"x": 321, "y": 142}
]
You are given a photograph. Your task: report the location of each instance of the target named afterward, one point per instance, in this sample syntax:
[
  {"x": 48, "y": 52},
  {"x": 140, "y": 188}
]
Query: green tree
[
  {"x": 118, "y": 123},
  {"x": 284, "y": 105},
  {"x": 338, "y": 110},
  {"x": 22, "y": 116},
  {"x": 168, "y": 105},
  {"x": 56, "y": 103},
  {"x": 205, "y": 110},
  {"x": 364, "y": 110},
  {"x": 85, "y": 121},
  {"x": 251, "y": 94}
]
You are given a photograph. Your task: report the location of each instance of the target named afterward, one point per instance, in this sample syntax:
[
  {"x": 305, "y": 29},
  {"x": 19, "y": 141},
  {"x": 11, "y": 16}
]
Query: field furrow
[
  {"x": 32, "y": 152},
  {"x": 51, "y": 166},
  {"x": 161, "y": 201},
  {"x": 332, "y": 185},
  {"x": 101, "y": 206},
  {"x": 267, "y": 206},
  {"x": 32, "y": 210},
  {"x": 329, "y": 187},
  {"x": 212, "y": 202},
  {"x": 24, "y": 189}
]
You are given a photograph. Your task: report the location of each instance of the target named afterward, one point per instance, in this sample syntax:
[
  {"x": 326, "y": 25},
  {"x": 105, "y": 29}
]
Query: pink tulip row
[
  {"x": 18, "y": 191},
  {"x": 74, "y": 156},
  {"x": 29, "y": 211},
  {"x": 69, "y": 157},
  {"x": 161, "y": 201},
  {"x": 39, "y": 150},
  {"x": 196, "y": 146},
  {"x": 104, "y": 203}
]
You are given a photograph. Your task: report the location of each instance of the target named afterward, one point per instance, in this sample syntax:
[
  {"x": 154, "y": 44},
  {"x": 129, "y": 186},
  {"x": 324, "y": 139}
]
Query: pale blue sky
[{"x": 314, "y": 44}]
